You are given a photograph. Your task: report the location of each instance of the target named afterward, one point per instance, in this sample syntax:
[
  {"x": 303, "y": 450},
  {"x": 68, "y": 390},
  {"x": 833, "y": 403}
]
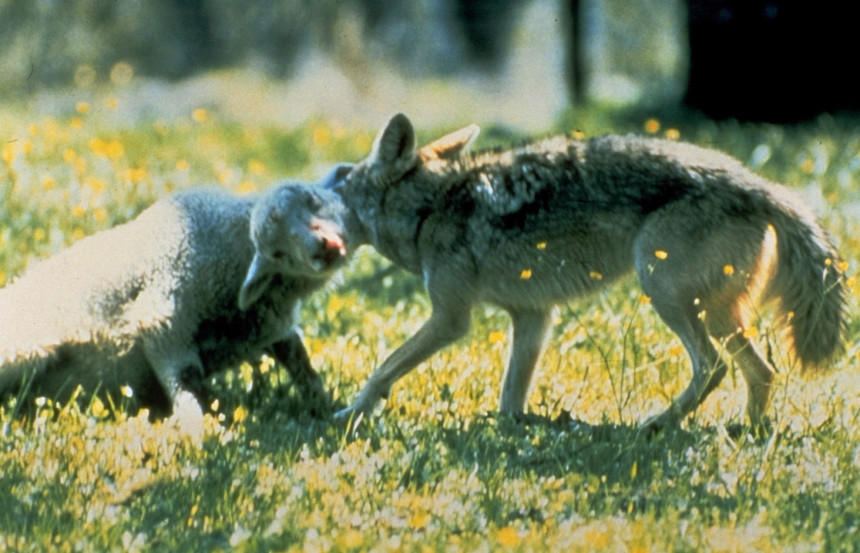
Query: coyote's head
[
  {"x": 393, "y": 157},
  {"x": 298, "y": 231}
]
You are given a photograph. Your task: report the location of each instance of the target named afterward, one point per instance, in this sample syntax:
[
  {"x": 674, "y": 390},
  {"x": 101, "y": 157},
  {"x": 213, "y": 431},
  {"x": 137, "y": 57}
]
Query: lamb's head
[{"x": 298, "y": 231}]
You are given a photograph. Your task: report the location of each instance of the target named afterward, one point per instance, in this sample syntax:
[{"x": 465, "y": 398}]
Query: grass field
[{"x": 436, "y": 469}]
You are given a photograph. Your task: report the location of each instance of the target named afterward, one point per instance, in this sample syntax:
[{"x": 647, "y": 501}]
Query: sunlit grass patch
[{"x": 437, "y": 468}]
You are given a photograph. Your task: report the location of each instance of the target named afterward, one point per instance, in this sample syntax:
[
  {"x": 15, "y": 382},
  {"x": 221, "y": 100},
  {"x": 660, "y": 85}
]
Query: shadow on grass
[{"x": 606, "y": 468}]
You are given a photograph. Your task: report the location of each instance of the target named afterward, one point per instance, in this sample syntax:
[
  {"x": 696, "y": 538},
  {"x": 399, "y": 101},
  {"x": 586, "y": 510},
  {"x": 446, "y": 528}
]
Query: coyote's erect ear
[
  {"x": 395, "y": 144},
  {"x": 451, "y": 145}
]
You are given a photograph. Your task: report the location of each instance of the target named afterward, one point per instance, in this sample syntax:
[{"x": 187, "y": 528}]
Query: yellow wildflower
[
  {"x": 98, "y": 409},
  {"x": 350, "y": 539},
  {"x": 256, "y": 167},
  {"x": 114, "y": 149},
  {"x": 246, "y": 187},
  {"x": 652, "y": 126},
  {"x": 496, "y": 337},
  {"x": 95, "y": 184},
  {"x": 508, "y": 537},
  {"x": 200, "y": 115},
  {"x": 418, "y": 521},
  {"x": 8, "y": 153},
  {"x": 135, "y": 175},
  {"x": 121, "y": 73},
  {"x": 321, "y": 137}
]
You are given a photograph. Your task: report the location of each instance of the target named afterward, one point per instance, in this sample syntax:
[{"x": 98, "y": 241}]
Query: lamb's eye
[
  {"x": 279, "y": 254},
  {"x": 313, "y": 202}
]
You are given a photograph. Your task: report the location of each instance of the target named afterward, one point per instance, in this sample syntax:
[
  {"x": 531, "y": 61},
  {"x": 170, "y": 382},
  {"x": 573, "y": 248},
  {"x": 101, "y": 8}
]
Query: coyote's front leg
[
  {"x": 449, "y": 321},
  {"x": 530, "y": 329}
]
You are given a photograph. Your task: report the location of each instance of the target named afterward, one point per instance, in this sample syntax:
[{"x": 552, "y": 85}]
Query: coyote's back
[{"x": 533, "y": 226}]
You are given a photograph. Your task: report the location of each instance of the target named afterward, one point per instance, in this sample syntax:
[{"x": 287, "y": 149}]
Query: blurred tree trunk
[{"x": 575, "y": 52}]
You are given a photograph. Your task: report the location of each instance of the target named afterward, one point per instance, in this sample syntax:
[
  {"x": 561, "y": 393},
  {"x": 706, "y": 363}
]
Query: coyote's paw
[
  {"x": 348, "y": 415},
  {"x": 355, "y": 413}
]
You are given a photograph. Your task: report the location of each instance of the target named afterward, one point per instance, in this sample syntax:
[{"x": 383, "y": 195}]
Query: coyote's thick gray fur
[{"x": 530, "y": 227}]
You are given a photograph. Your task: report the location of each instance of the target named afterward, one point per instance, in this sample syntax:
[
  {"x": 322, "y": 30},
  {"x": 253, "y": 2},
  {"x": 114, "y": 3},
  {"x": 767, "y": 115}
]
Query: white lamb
[{"x": 169, "y": 298}]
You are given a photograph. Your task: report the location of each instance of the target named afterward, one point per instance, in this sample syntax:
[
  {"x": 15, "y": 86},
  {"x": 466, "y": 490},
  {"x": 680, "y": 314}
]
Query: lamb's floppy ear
[
  {"x": 257, "y": 281},
  {"x": 451, "y": 145},
  {"x": 395, "y": 144}
]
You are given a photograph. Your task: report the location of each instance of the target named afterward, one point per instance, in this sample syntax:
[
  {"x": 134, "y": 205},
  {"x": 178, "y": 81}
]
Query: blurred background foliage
[{"x": 513, "y": 61}]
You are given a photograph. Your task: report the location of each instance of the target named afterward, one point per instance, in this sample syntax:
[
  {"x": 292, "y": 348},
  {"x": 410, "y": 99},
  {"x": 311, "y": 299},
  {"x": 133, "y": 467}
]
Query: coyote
[{"x": 529, "y": 227}]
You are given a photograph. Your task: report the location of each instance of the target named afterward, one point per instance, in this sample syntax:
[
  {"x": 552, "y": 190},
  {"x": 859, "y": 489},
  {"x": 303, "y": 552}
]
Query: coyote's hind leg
[
  {"x": 704, "y": 269},
  {"x": 675, "y": 259},
  {"x": 708, "y": 368}
]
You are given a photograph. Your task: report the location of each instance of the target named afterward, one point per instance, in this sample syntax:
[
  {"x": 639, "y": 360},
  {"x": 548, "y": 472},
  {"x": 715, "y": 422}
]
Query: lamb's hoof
[
  {"x": 758, "y": 432},
  {"x": 187, "y": 417},
  {"x": 657, "y": 425}
]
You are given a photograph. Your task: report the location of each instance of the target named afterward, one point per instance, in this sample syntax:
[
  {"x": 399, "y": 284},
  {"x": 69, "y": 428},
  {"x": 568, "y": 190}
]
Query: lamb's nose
[
  {"x": 330, "y": 241},
  {"x": 334, "y": 243}
]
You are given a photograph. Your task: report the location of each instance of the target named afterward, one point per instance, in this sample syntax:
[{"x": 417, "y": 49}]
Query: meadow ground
[{"x": 436, "y": 469}]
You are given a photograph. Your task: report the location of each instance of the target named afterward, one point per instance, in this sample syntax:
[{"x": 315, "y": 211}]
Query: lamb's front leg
[
  {"x": 448, "y": 322},
  {"x": 178, "y": 372},
  {"x": 291, "y": 352}
]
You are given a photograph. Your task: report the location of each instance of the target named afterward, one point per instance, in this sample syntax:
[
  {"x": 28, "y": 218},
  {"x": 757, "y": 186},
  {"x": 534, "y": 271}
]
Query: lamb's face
[
  {"x": 297, "y": 231},
  {"x": 301, "y": 230}
]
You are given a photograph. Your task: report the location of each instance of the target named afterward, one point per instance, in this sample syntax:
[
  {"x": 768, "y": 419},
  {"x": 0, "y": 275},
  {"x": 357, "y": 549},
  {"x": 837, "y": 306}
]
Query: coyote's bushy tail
[{"x": 810, "y": 286}]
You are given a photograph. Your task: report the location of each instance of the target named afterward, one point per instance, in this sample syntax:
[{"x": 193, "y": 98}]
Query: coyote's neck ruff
[{"x": 529, "y": 227}]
